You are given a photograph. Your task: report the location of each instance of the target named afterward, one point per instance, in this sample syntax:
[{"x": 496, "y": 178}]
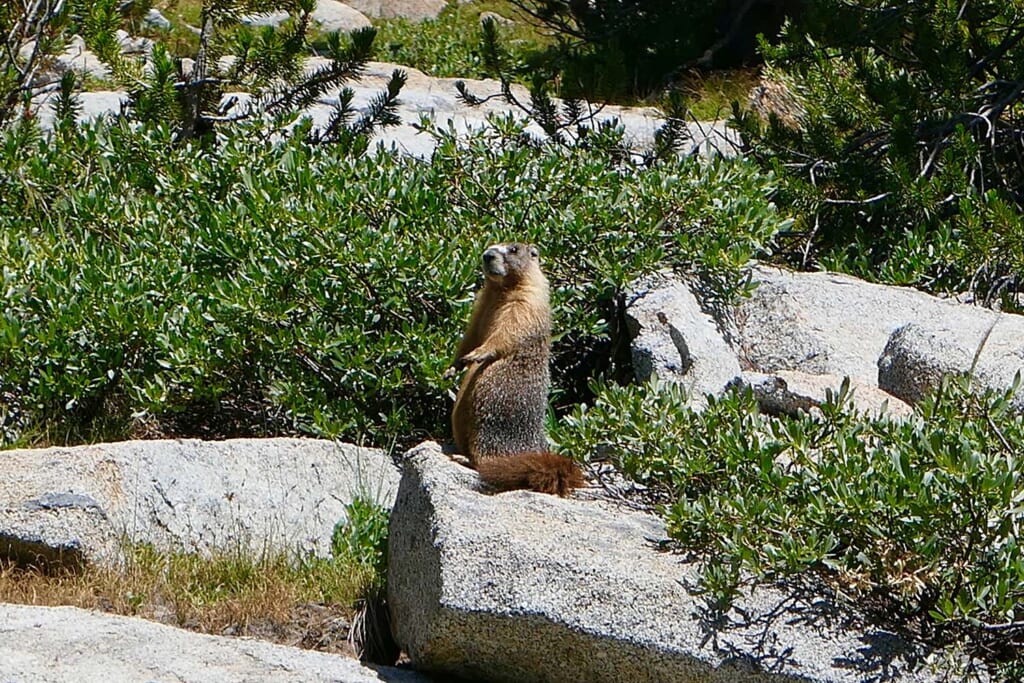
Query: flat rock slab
[
  {"x": 527, "y": 587},
  {"x": 824, "y": 323},
  {"x": 75, "y": 505},
  {"x": 59, "y": 644}
]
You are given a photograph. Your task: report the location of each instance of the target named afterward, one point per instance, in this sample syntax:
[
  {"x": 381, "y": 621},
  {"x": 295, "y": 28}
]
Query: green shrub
[
  {"x": 921, "y": 515},
  {"x": 258, "y": 288},
  {"x": 906, "y": 163},
  {"x": 449, "y": 46},
  {"x": 362, "y": 538},
  {"x": 624, "y": 49}
]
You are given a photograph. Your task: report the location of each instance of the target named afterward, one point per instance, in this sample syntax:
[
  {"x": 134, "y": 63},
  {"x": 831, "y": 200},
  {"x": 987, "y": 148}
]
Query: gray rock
[
  {"x": 75, "y": 57},
  {"x": 675, "y": 340},
  {"x": 78, "y": 58},
  {"x": 336, "y": 16},
  {"x": 824, "y": 323},
  {"x": 527, "y": 587},
  {"x": 920, "y": 354},
  {"x": 94, "y": 105},
  {"x": 57, "y": 644},
  {"x": 74, "y": 505},
  {"x": 788, "y": 392},
  {"x": 498, "y": 19},
  {"x": 331, "y": 15},
  {"x": 408, "y": 9},
  {"x": 156, "y": 19},
  {"x": 131, "y": 45}
]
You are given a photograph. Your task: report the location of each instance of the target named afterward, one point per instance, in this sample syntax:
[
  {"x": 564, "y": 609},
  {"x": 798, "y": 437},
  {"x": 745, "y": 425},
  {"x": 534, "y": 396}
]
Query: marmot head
[{"x": 509, "y": 263}]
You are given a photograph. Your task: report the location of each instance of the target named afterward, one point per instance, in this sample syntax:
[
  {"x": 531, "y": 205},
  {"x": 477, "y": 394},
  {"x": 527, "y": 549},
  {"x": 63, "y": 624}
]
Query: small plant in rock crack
[{"x": 362, "y": 539}]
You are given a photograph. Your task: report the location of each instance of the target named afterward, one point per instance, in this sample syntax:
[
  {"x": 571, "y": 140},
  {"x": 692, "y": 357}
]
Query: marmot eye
[{"x": 513, "y": 250}]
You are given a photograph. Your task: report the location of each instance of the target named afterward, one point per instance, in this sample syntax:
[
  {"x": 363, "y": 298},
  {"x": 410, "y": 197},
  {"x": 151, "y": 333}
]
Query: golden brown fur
[
  {"x": 542, "y": 471},
  {"x": 498, "y": 418}
]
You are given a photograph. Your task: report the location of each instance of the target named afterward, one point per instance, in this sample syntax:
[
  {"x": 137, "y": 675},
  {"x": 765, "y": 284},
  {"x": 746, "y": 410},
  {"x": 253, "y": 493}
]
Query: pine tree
[
  {"x": 30, "y": 30},
  {"x": 270, "y": 63},
  {"x": 906, "y": 153}
]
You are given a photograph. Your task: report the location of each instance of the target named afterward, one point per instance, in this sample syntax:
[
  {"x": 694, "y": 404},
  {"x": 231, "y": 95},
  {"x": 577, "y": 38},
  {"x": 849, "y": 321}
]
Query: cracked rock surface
[
  {"x": 58, "y": 644},
  {"x": 522, "y": 586},
  {"x": 75, "y": 505}
]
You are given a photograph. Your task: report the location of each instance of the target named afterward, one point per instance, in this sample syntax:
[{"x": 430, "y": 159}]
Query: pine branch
[
  {"x": 192, "y": 124},
  {"x": 68, "y": 105},
  {"x": 30, "y": 24},
  {"x": 381, "y": 112},
  {"x": 383, "y": 109}
]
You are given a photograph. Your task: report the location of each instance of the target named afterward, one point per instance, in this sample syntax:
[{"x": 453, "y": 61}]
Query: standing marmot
[{"x": 498, "y": 418}]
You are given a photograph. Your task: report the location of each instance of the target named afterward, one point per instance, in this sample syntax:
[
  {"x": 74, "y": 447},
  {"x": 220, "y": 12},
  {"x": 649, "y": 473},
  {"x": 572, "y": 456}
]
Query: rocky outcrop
[
  {"x": 987, "y": 345},
  {"x": 437, "y": 99},
  {"x": 407, "y": 9},
  {"x": 328, "y": 15},
  {"x": 75, "y": 57},
  {"x": 156, "y": 19},
  {"x": 75, "y": 505},
  {"x": 130, "y": 45},
  {"x": 800, "y": 334},
  {"x": 675, "y": 340},
  {"x": 80, "y": 59},
  {"x": 526, "y": 587},
  {"x": 496, "y": 18},
  {"x": 332, "y": 15},
  {"x": 823, "y": 323},
  {"x": 58, "y": 644},
  {"x": 337, "y": 16}
]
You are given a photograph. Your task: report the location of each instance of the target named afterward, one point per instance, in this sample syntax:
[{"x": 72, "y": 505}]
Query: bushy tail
[{"x": 542, "y": 472}]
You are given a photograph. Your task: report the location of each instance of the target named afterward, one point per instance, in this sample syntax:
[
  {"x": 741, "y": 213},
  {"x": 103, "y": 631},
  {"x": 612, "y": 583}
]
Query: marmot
[{"x": 498, "y": 418}]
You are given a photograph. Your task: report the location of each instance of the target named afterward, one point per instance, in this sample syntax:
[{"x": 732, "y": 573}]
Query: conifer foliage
[
  {"x": 276, "y": 66},
  {"x": 907, "y": 160}
]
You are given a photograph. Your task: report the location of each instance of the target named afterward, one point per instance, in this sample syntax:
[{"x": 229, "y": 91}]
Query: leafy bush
[
  {"x": 905, "y": 163},
  {"x": 261, "y": 288},
  {"x": 362, "y": 538},
  {"x": 922, "y": 515}
]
